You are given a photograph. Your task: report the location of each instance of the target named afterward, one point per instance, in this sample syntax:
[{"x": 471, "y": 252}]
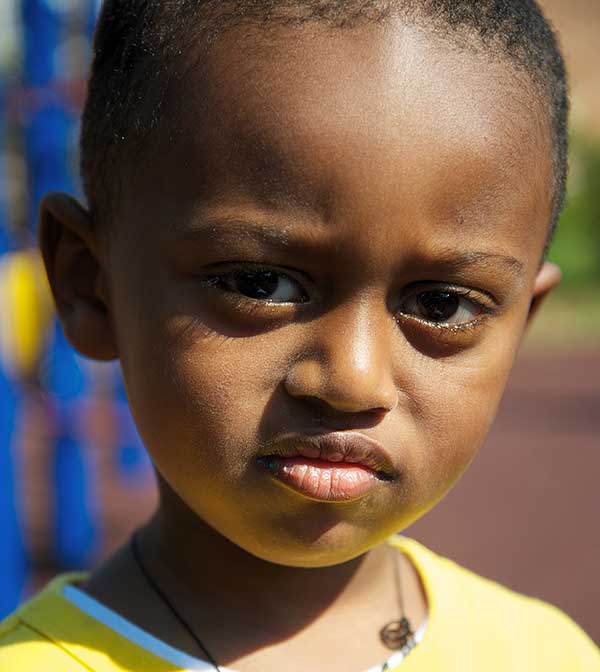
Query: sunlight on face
[{"x": 346, "y": 237}]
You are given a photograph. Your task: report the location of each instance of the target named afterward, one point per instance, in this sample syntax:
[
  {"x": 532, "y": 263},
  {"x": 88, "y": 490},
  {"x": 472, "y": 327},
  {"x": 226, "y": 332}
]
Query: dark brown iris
[
  {"x": 438, "y": 306},
  {"x": 257, "y": 284}
]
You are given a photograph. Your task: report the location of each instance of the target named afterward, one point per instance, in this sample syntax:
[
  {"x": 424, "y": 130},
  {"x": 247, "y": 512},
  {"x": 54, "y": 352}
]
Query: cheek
[
  {"x": 456, "y": 401},
  {"x": 200, "y": 396},
  {"x": 194, "y": 394}
]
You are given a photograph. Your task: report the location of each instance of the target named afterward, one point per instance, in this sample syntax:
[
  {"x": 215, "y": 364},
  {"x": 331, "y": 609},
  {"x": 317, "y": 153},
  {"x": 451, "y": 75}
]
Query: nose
[{"x": 347, "y": 365}]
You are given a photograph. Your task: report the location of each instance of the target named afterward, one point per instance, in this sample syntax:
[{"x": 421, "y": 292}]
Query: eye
[
  {"x": 443, "y": 307},
  {"x": 261, "y": 285}
]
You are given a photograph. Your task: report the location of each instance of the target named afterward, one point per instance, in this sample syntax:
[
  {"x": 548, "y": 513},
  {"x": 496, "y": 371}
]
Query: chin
[{"x": 323, "y": 542}]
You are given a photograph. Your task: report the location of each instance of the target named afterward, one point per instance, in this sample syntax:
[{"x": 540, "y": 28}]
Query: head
[{"x": 311, "y": 217}]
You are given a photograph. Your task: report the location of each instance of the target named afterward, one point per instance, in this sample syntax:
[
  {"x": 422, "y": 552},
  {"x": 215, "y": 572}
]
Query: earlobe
[
  {"x": 548, "y": 277},
  {"x": 72, "y": 254}
]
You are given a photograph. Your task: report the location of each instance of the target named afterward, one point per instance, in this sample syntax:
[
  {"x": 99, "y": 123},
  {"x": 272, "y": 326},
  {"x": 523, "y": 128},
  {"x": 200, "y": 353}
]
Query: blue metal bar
[
  {"x": 5, "y": 240},
  {"x": 76, "y": 526},
  {"x": 50, "y": 126},
  {"x": 13, "y": 560}
]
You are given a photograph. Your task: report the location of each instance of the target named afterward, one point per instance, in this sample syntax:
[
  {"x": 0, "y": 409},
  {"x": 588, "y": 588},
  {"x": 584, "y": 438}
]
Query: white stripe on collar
[{"x": 170, "y": 654}]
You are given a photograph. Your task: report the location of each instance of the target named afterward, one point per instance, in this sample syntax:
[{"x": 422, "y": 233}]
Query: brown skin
[{"x": 389, "y": 163}]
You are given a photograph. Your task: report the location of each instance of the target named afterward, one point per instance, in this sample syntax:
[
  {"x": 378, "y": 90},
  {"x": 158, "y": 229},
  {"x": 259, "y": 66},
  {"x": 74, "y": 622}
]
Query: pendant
[{"x": 397, "y": 634}]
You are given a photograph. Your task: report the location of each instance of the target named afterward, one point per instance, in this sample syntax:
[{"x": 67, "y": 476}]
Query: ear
[
  {"x": 73, "y": 258},
  {"x": 548, "y": 277}
]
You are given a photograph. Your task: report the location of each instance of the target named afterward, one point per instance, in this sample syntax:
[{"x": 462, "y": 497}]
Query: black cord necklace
[
  {"x": 135, "y": 549},
  {"x": 397, "y": 634},
  {"x": 394, "y": 635}
]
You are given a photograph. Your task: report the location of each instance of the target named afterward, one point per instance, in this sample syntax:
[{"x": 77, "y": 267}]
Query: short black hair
[{"x": 140, "y": 47}]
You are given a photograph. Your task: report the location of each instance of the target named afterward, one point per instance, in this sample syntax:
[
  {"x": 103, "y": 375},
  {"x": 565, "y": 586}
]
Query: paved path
[{"x": 527, "y": 513}]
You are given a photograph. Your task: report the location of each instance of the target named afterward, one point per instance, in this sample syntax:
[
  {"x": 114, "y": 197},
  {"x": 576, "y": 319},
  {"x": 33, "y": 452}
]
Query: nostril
[
  {"x": 338, "y": 394},
  {"x": 337, "y": 420}
]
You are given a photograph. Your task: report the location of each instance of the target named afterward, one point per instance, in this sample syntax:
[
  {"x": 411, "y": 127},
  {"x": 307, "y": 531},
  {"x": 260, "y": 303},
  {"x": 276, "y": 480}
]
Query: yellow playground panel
[{"x": 26, "y": 309}]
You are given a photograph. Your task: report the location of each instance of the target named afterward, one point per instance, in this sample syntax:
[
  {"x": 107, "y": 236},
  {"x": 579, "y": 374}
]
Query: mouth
[{"x": 334, "y": 467}]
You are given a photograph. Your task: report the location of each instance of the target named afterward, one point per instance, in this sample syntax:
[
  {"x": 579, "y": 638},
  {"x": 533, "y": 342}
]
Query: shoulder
[
  {"x": 523, "y": 633},
  {"x": 53, "y": 632},
  {"x": 23, "y": 648},
  {"x": 25, "y": 642}
]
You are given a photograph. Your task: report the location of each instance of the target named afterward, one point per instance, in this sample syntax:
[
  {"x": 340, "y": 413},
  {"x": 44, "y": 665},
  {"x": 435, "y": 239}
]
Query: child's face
[{"x": 398, "y": 192}]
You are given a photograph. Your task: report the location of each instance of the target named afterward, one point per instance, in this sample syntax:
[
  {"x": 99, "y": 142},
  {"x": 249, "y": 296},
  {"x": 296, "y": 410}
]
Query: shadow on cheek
[{"x": 438, "y": 342}]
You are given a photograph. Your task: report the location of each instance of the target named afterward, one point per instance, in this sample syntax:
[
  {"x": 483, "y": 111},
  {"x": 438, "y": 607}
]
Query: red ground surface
[{"x": 525, "y": 514}]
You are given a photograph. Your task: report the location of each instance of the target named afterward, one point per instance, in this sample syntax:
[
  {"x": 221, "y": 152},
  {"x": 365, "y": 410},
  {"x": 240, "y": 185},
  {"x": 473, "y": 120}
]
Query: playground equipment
[
  {"x": 12, "y": 552},
  {"x": 32, "y": 345}
]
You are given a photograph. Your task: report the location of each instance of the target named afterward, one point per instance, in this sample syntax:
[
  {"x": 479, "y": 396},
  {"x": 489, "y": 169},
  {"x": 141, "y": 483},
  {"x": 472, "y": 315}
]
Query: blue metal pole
[
  {"x": 13, "y": 561},
  {"x": 49, "y": 134},
  {"x": 50, "y": 126},
  {"x": 47, "y": 139},
  {"x": 42, "y": 25},
  {"x": 92, "y": 15},
  {"x": 5, "y": 241},
  {"x": 76, "y": 527}
]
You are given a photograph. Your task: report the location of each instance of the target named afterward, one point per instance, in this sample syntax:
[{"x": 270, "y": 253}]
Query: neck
[
  {"x": 243, "y": 607},
  {"x": 197, "y": 563}
]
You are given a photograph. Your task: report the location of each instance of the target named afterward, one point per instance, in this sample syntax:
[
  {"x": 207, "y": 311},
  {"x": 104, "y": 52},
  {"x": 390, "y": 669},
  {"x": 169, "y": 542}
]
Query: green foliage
[{"x": 577, "y": 244}]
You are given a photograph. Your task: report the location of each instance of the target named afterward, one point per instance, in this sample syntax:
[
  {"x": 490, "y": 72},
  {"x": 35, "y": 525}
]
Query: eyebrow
[
  {"x": 269, "y": 234},
  {"x": 286, "y": 236},
  {"x": 456, "y": 260}
]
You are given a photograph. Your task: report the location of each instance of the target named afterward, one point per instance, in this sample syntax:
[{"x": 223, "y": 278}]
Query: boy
[{"x": 314, "y": 240}]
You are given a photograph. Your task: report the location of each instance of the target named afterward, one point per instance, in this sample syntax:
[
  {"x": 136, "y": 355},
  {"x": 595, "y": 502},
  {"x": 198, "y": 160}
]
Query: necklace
[
  {"x": 397, "y": 634},
  {"x": 137, "y": 556},
  {"x": 394, "y": 635}
]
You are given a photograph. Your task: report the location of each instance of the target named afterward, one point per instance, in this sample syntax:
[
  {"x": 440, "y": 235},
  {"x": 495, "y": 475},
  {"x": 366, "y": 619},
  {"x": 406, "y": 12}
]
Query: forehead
[{"x": 381, "y": 116}]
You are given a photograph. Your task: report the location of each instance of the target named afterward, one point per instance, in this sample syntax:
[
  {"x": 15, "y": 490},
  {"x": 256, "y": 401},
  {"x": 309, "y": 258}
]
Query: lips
[{"x": 339, "y": 466}]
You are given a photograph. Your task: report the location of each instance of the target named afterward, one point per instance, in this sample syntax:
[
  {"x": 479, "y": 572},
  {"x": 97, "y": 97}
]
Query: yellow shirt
[{"x": 473, "y": 625}]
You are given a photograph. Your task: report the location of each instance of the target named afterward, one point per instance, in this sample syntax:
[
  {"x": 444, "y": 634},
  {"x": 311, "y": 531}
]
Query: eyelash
[
  {"x": 249, "y": 304},
  {"x": 485, "y": 307},
  {"x": 219, "y": 281}
]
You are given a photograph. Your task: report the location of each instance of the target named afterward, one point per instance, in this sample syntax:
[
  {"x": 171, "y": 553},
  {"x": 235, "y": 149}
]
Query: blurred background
[{"x": 74, "y": 479}]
